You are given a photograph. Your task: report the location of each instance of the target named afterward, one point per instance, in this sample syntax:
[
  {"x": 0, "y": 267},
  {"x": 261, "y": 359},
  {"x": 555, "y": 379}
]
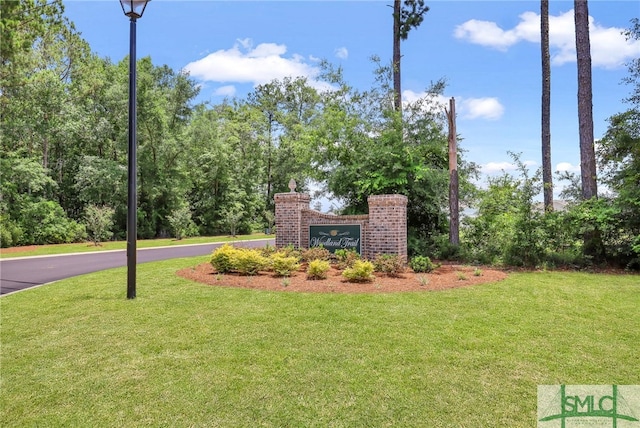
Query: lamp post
[{"x": 134, "y": 10}]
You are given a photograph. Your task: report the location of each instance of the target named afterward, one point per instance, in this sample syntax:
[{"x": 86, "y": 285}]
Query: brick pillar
[
  {"x": 387, "y": 231},
  {"x": 289, "y": 208}
]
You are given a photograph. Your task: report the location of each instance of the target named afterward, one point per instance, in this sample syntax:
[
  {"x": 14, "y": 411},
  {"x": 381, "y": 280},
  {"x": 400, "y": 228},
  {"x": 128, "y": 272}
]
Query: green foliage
[
  {"x": 249, "y": 261},
  {"x": 268, "y": 250},
  {"x": 318, "y": 269},
  {"x": 44, "y": 222},
  {"x": 315, "y": 253},
  {"x": 222, "y": 258},
  {"x": 181, "y": 223},
  {"x": 410, "y": 16},
  {"x": 245, "y": 261},
  {"x": 420, "y": 264},
  {"x": 283, "y": 266},
  {"x": 231, "y": 217},
  {"x": 361, "y": 271},
  {"x": 270, "y": 221},
  {"x": 290, "y": 251},
  {"x": 63, "y": 139},
  {"x": 507, "y": 228},
  {"x": 99, "y": 221},
  {"x": 390, "y": 264},
  {"x": 101, "y": 181},
  {"x": 10, "y": 232},
  {"x": 619, "y": 158},
  {"x": 346, "y": 257}
]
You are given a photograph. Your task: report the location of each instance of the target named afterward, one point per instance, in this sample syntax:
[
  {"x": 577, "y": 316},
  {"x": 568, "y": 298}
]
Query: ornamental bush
[
  {"x": 389, "y": 264},
  {"x": 361, "y": 271},
  {"x": 421, "y": 264},
  {"x": 346, "y": 258},
  {"x": 283, "y": 266},
  {"x": 290, "y": 251},
  {"x": 249, "y": 262},
  {"x": 318, "y": 269},
  {"x": 316, "y": 253},
  {"x": 222, "y": 258}
]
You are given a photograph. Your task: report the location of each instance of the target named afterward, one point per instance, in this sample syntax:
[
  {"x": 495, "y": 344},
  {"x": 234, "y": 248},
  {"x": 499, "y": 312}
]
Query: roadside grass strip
[{"x": 88, "y": 247}]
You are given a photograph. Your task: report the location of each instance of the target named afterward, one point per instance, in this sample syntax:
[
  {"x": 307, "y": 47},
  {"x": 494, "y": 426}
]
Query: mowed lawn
[{"x": 77, "y": 353}]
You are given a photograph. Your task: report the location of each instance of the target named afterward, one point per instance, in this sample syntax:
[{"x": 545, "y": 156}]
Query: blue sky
[{"x": 488, "y": 52}]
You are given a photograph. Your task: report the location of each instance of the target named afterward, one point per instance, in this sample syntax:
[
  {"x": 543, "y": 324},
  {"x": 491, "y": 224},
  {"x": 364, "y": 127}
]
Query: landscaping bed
[{"x": 444, "y": 277}]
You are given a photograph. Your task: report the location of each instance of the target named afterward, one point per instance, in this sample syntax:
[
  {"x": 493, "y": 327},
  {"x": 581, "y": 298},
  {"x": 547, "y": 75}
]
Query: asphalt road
[{"x": 21, "y": 273}]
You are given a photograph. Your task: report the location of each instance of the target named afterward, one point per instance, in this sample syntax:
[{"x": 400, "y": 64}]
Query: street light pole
[
  {"x": 132, "y": 199},
  {"x": 134, "y": 10}
]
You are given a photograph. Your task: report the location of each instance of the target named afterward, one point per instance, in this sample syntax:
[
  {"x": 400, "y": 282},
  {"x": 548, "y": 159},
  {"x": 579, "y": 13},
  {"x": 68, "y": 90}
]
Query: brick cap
[
  {"x": 291, "y": 196},
  {"x": 387, "y": 200}
]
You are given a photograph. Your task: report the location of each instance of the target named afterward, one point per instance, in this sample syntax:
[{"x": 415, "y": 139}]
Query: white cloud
[
  {"x": 225, "y": 91},
  {"x": 566, "y": 166},
  {"x": 481, "y": 108},
  {"x": 410, "y": 97},
  {"x": 245, "y": 64},
  {"x": 470, "y": 108},
  {"x": 342, "y": 53},
  {"x": 493, "y": 167},
  {"x": 609, "y": 47},
  {"x": 485, "y": 33},
  {"x": 499, "y": 167}
]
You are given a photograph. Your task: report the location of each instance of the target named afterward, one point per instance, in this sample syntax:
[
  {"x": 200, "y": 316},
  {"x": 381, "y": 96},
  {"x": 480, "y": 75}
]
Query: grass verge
[
  {"x": 86, "y": 247},
  {"x": 77, "y": 353}
]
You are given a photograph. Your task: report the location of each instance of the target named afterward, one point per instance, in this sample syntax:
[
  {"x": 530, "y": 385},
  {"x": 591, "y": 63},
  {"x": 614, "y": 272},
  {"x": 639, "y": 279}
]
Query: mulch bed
[{"x": 445, "y": 277}]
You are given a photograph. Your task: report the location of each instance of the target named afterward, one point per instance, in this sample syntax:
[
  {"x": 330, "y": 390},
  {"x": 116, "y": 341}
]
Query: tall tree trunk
[
  {"x": 592, "y": 239},
  {"x": 454, "y": 215},
  {"x": 547, "y": 177},
  {"x": 269, "y": 167},
  {"x": 585, "y": 102},
  {"x": 397, "y": 88}
]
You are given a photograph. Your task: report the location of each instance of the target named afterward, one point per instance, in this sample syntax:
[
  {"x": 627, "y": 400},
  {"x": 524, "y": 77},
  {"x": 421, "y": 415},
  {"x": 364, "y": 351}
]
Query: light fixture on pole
[{"x": 134, "y": 10}]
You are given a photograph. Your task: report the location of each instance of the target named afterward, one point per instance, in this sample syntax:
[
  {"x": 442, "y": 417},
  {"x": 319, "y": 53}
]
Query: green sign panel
[{"x": 335, "y": 237}]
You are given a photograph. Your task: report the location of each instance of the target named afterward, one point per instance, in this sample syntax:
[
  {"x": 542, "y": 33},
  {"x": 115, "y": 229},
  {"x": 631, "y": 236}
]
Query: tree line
[
  {"x": 65, "y": 130},
  {"x": 214, "y": 169}
]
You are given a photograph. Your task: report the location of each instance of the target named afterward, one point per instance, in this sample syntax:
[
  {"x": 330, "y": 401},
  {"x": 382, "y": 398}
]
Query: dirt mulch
[{"x": 445, "y": 277}]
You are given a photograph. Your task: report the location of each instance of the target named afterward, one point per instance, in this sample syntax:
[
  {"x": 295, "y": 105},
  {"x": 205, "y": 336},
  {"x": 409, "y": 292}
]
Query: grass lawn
[
  {"x": 77, "y": 353},
  {"x": 85, "y": 247}
]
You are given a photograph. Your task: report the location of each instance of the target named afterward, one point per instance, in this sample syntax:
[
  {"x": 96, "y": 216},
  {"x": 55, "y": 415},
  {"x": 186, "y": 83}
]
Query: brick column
[
  {"x": 387, "y": 231},
  {"x": 289, "y": 208}
]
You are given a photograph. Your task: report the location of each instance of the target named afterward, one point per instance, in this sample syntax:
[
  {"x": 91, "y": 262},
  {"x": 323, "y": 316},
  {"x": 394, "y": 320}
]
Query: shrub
[
  {"x": 346, "y": 258},
  {"x": 222, "y": 258},
  {"x": 316, "y": 253},
  {"x": 361, "y": 271},
  {"x": 10, "y": 232},
  {"x": 45, "y": 222},
  {"x": 318, "y": 269},
  {"x": 284, "y": 266},
  {"x": 421, "y": 264},
  {"x": 249, "y": 261},
  {"x": 389, "y": 264},
  {"x": 290, "y": 251},
  {"x": 245, "y": 261},
  {"x": 181, "y": 223},
  {"x": 268, "y": 250},
  {"x": 99, "y": 221}
]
